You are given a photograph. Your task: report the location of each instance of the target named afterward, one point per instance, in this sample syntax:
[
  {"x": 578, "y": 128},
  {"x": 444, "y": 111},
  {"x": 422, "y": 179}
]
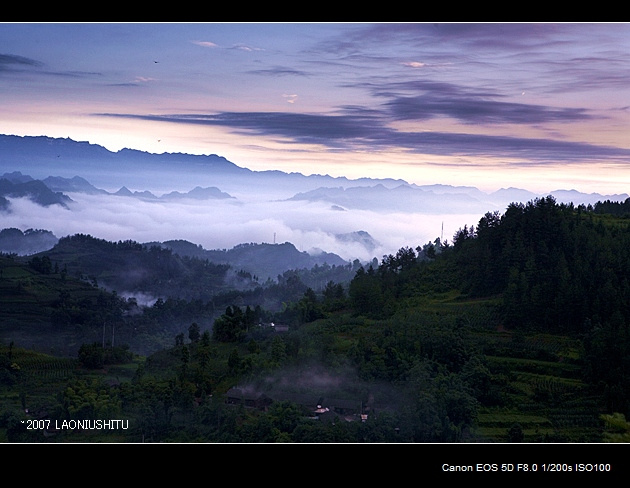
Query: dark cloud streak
[
  {"x": 12, "y": 63},
  {"x": 9, "y": 62},
  {"x": 475, "y": 111},
  {"x": 367, "y": 132},
  {"x": 278, "y": 71},
  {"x": 424, "y": 100},
  {"x": 491, "y": 37}
]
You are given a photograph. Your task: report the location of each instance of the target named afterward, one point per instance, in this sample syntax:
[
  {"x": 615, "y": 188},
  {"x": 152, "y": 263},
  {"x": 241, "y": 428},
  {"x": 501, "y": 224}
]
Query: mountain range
[
  {"x": 43, "y": 156},
  {"x": 378, "y": 197},
  {"x": 50, "y": 190},
  {"x": 67, "y": 187},
  {"x": 81, "y": 161}
]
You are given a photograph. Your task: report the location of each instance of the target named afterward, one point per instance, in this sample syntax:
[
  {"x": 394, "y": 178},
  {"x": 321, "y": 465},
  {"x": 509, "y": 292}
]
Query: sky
[{"x": 540, "y": 106}]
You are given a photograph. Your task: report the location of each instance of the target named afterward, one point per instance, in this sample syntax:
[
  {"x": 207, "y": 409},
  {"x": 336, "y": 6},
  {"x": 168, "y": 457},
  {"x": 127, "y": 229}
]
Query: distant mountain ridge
[
  {"x": 439, "y": 199},
  {"x": 44, "y": 155},
  {"x": 35, "y": 190},
  {"x": 16, "y": 185},
  {"x": 38, "y": 150},
  {"x": 403, "y": 198}
]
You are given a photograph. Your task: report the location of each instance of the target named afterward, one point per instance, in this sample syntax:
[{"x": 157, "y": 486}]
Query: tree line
[{"x": 553, "y": 268}]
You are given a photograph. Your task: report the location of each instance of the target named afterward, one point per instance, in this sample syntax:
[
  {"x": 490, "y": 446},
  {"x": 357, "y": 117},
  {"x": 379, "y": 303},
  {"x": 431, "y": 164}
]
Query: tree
[
  {"x": 185, "y": 360},
  {"x": 309, "y": 307},
  {"x": 42, "y": 265},
  {"x": 194, "y": 333},
  {"x": 334, "y": 296},
  {"x": 250, "y": 317},
  {"x": 278, "y": 351},
  {"x": 205, "y": 338},
  {"x": 229, "y": 327},
  {"x": 365, "y": 293},
  {"x": 91, "y": 356},
  {"x": 234, "y": 361}
]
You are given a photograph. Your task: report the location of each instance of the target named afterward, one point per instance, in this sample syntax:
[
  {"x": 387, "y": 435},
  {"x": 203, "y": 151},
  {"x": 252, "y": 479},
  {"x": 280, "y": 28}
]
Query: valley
[{"x": 241, "y": 307}]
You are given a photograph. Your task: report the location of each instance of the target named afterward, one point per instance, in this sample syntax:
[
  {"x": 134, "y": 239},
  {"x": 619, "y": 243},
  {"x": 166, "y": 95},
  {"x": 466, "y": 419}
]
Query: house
[
  {"x": 306, "y": 401},
  {"x": 273, "y": 326},
  {"x": 342, "y": 407},
  {"x": 333, "y": 409},
  {"x": 326, "y": 409},
  {"x": 280, "y": 328}
]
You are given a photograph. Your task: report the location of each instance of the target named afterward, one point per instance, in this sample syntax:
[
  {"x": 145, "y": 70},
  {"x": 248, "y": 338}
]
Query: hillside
[
  {"x": 426, "y": 345},
  {"x": 44, "y": 308},
  {"x": 263, "y": 260},
  {"x": 181, "y": 269},
  {"x": 155, "y": 291},
  {"x": 30, "y": 241},
  {"x": 129, "y": 267}
]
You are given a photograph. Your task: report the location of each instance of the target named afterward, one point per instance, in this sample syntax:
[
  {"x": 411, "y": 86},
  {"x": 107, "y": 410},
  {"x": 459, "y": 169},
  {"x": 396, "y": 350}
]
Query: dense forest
[{"x": 516, "y": 330}]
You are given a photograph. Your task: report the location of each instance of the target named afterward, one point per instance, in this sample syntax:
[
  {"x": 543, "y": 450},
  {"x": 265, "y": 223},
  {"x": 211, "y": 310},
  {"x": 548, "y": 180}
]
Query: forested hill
[
  {"x": 183, "y": 270},
  {"x": 128, "y": 266},
  {"x": 550, "y": 268},
  {"x": 262, "y": 260},
  {"x": 559, "y": 268},
  {"x": 556, "y": 267},
  {"x": 620, "y": 209}
]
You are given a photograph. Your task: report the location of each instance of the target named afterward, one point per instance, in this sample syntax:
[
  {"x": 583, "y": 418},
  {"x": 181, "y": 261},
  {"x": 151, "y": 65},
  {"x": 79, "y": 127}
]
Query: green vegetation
[{"x": 517, "y": 331}]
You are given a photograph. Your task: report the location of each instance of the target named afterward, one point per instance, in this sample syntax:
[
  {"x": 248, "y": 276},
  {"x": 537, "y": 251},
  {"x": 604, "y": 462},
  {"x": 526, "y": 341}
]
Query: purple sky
[{"x": 536, "y": 106}]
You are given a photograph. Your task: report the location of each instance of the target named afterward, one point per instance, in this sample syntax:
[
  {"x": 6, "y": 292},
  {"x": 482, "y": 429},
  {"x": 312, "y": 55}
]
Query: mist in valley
[
  {"x": 216, "y": 204},
  {"x": 312, "y": 227}
]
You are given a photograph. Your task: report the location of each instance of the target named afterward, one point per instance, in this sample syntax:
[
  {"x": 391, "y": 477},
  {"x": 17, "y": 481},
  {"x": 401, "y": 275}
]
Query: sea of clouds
[{"x": 223, "y": 224}]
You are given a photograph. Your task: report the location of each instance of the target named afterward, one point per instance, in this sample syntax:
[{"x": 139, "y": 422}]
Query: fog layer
[{"x": 223, "y": 224}]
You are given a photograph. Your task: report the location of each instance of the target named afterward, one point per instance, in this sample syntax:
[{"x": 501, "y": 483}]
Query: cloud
[
  {"x": 144, "y": 79},
  {"x": 14, "y": 64},
  {"x": 414, "y": 64},
  {"x": 278, "y": 71},
  {"x": 480, "y": 111},
  {"x": 368, "y": 130},
  {"x": 205, "y": 43},
  {"x": 407, "y": 111},
  {"x": 238, "y": 47},
  {"x": 223, "y": 225},
  {"x": 9, "y": 62},
  {"x": 244, "y": 47},
  {"x": 427, "y": 99},
  {"x": 462, "y": 37}
]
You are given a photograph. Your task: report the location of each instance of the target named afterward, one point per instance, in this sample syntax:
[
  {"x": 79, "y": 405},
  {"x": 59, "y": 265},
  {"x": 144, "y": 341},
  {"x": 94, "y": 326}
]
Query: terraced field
[{"x": 543, "y": 399}]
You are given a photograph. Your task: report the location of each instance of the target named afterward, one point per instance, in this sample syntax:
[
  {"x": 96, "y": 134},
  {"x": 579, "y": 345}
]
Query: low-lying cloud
[{"x": 221, "y": 224}]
